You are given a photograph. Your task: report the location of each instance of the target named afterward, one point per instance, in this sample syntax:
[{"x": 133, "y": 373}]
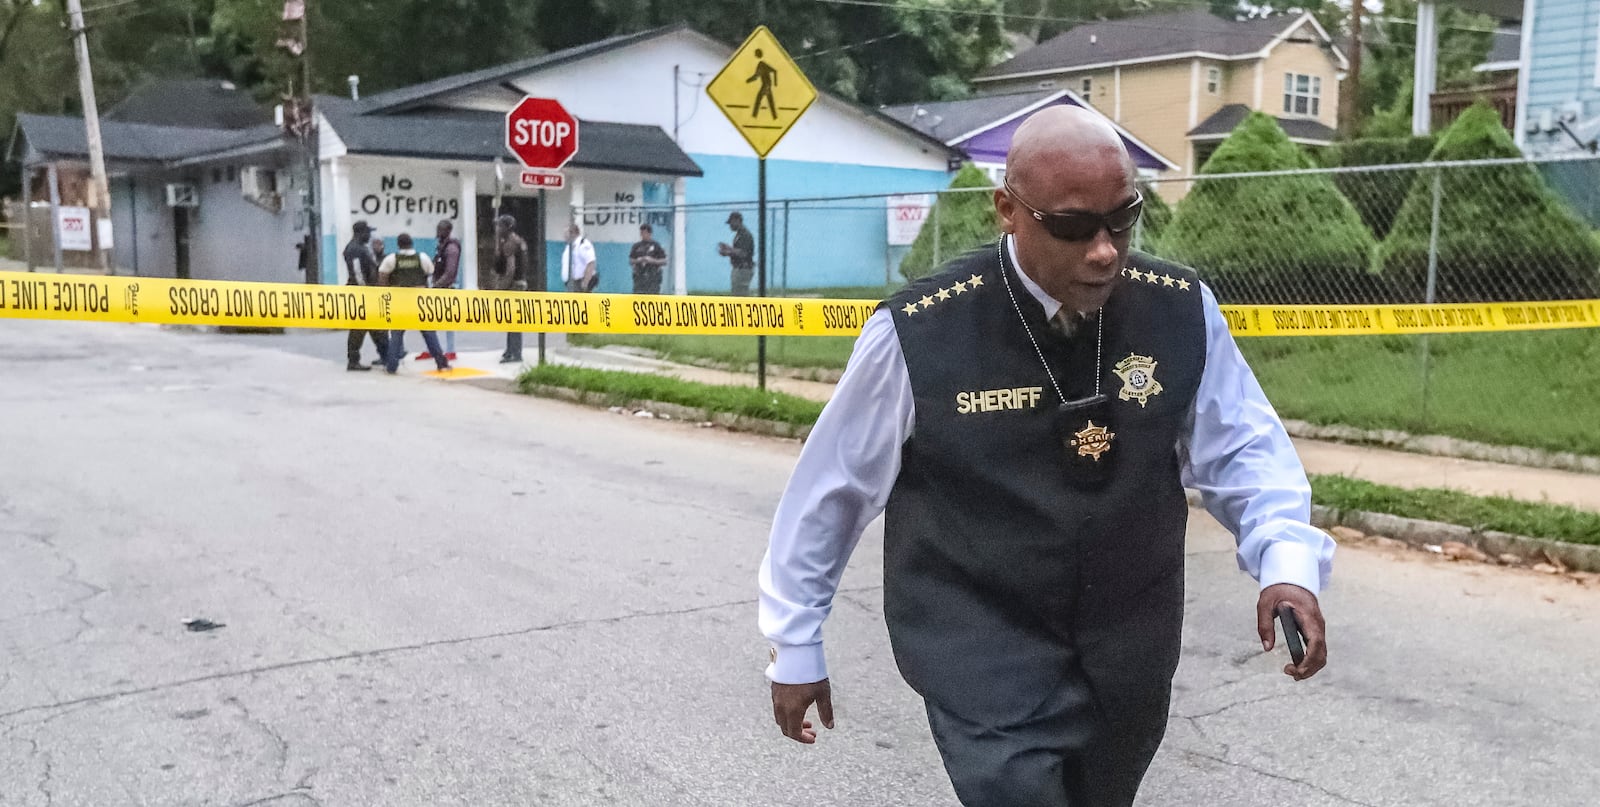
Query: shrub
[
  {"x": 1155, "y": 220},
  {"x": 1377, "y": 195},
  {"x": 1503, "y": 234},
  {"x": 1282, "y": 239},
  {"x": 965, "y": 221}
]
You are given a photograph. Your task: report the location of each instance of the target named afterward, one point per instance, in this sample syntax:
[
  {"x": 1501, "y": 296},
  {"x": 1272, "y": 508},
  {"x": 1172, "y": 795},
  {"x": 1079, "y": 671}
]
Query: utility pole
[
  {"x": 99, "y": 192},
  {"x": 312, "y": 141},
  {"x": 1352, "y": 91}
]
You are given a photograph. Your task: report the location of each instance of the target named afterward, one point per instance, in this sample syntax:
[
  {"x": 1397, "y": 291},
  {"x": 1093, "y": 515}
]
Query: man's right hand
[{"x": 790, "y": 702}]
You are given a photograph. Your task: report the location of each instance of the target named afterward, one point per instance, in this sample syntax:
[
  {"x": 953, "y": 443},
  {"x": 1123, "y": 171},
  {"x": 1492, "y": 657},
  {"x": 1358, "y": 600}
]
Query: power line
[{"x": 839, "y": 48}]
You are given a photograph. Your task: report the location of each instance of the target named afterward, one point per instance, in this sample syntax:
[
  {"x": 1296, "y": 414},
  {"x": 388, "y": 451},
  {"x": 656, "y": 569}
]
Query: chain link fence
[{"x": 1480, "y": 231}]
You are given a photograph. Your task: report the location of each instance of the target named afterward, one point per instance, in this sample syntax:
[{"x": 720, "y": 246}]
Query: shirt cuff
[
  {"x": 796, "y": 664},
  {"x": 1291, "y": 562}
]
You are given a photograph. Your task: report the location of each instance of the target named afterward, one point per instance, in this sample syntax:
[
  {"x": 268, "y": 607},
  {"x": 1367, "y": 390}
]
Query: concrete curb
[
  {"x": 1440, "y": 446},
  {"x": 1419, "y": 534}
]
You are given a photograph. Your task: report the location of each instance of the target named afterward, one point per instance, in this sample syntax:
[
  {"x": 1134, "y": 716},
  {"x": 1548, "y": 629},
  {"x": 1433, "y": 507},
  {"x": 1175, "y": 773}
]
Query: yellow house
[{"x": 1181, "y": 81}]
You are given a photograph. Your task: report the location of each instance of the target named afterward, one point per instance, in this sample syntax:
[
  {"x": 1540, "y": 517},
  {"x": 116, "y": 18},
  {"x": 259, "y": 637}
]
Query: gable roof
[
  {"x": 951, "y": 121},
  {"x": 1223, "y": 121},
  {"x": 466, "y": 134},
  {"x": 422, "y": 95},
  {"x": 58, "y": 137},
  {"x": 1153, "y": 37},
  {"x": 418, "y": 94},
  {"x": 190, "y": 102},
  {"x": 958, "y": 121}
]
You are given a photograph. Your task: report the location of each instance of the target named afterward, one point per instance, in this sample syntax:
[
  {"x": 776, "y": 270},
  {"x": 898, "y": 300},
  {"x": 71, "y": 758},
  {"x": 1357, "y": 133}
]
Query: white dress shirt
[
  {"x": 574, "y": 262},
  {"x": 1235, "y": 452}
]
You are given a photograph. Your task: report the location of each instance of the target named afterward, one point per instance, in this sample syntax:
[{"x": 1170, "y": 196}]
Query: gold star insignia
[
  {"x": 1152, "y": 278},
  {"x": 944, "y": 294},
  {"x": 1166, "y": 280},
  {"x": 911, "y": 308},
  {"x": 960, "y": 286},
  {"x": 975, "y": 281},
  {"x": 1183, "y": 284},
  {"x": 927, "y": 302},
  {"x": 1135, "y": 274}
]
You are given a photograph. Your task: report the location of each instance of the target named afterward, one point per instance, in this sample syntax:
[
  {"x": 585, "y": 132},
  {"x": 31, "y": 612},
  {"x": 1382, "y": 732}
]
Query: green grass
[
  {"x": 803, "y": 352},
  {"x": 622, "y": 388},
  {"x": 1539, "y": 389},
  {"x": 5, "y": 245},
  {"x": 1536, "y": 389},
  {"x": 1453, "y": 507}
]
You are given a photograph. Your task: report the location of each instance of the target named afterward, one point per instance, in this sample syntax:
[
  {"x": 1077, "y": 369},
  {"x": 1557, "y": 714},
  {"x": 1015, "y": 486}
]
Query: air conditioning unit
[
  {"x": 182, "y": 194},
  {"x": 260, "y": 187}
]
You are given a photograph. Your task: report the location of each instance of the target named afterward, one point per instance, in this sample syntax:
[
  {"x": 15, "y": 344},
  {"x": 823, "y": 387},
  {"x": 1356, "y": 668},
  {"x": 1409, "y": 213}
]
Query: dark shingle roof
[
  {"x": 199, "y": 103},
  {"x": 480, "y": 135},
  {"x": 428, "y": 90},
  {"x": 1146, "y": 37},
  {"x": 56, "y": 136},
  {"x": 1224, "y": 120},
  {"x": 947, "y": 120}
]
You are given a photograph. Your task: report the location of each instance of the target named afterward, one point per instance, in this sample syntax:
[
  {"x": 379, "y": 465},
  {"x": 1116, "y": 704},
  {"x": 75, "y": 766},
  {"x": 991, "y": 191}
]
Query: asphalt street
[{"x": 436, "y": 594}]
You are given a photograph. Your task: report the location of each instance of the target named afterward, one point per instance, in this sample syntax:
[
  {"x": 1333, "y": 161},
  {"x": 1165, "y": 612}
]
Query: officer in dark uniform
[
  {"x": 647, "y": 258},
  {"x": 741, "y": 255},
  {"x": 361, "y": 269},
  {"x": 1027, "y": 420}
]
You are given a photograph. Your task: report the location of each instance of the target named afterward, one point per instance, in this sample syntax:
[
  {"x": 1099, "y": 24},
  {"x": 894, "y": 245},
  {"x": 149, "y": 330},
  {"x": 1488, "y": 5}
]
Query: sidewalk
[{"x": 1381, "y": 465}]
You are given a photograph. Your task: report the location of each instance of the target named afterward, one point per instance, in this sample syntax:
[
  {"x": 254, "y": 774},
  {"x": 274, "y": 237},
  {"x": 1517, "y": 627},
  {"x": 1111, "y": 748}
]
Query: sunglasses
[{"x": 1077, "y": 225}]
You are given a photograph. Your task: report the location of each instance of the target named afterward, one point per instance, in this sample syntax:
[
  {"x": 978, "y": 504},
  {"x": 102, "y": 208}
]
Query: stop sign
[{"x": 542, "y": 134}]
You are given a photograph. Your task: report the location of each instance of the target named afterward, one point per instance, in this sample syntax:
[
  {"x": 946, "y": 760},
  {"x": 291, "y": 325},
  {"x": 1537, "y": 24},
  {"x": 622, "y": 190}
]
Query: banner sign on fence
[
  {"x": 284, "y": 305},
  {"x": 906, "y": 216},
  {"x": 72, "y": 229}
]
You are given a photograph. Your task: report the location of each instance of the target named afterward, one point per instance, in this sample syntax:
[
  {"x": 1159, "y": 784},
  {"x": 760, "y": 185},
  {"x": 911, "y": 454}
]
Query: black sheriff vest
[
  {"x": 1004, "y": 579},
  {"x": 408, "y": 272}
]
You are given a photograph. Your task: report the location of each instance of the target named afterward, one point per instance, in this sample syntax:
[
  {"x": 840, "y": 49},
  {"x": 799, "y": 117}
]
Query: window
[
  {"x": 1302, "y": 94},
  {"x": 1214, "y": 80},
  {"x": 1087, "y": 87}
]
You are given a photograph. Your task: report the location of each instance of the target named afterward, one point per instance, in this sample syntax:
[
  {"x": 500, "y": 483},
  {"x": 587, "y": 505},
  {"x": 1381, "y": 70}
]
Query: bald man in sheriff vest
[{"x": 1026, "y": 420}]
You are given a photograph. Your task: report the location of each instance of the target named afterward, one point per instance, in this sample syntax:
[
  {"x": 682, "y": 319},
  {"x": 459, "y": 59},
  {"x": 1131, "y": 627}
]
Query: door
[
  {"x": 180, "y": 240},
  {"x": 525, "y": 209}
]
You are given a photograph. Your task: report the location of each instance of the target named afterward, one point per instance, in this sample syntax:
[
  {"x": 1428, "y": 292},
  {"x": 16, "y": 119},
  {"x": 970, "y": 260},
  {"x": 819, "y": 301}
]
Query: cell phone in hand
[{"x": 1291, "y": 633}]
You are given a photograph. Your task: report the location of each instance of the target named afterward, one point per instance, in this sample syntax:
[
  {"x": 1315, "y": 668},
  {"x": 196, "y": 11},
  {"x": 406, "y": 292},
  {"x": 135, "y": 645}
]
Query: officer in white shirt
[
  {"x": 578, "y": 267},
  {"x": 1026, "y": 421}
]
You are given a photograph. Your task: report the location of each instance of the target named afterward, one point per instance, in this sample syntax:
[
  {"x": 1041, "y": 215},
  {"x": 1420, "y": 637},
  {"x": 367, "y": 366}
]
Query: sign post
[
  {"x": 544, "y": 137},
  {"x": 763, "y": 93}
]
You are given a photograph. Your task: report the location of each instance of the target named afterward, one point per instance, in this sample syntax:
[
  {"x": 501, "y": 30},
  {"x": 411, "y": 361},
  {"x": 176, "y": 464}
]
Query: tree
[
  {"x": 959, "y": 222},
  {"x": 1386, "y": 90},
  {"x": 1281, "y": 239},
  {"x": 1503, "y": 234}
]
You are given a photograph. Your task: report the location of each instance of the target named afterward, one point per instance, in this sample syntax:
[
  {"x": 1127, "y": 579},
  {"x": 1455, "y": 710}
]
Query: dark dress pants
[{"x": 1065, "y": 754}]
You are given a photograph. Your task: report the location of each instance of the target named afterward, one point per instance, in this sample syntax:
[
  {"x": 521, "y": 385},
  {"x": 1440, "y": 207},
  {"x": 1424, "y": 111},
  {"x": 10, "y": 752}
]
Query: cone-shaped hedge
[
  {"x": 1284, "y": 239},
  {"x": 1503, "y": 234},
  {"x": 965, "y": 221}
]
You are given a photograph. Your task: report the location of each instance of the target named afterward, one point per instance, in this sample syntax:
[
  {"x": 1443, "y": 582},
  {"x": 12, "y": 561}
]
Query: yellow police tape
[{"x": 281, "y": 305}]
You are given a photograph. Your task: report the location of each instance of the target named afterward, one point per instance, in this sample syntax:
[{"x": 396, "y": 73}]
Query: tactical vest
[
  {"x": 408, "y": 272},
  {"x": 1002, "y": 578}
]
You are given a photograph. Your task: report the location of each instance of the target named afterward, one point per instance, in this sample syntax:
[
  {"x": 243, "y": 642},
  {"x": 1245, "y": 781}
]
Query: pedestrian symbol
[{"x": 761, "y": 91}]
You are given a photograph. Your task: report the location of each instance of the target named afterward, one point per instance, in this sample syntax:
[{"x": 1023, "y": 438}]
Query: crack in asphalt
[
  {"x": 280, "y": 749},
  {"x": 1278, "y": 776},
  {"x": 277, "y": 797},
  {"x": 291, "y": 607},
  {"x": 89, "y": 700},
  {"x": 1235, "y": 704}
]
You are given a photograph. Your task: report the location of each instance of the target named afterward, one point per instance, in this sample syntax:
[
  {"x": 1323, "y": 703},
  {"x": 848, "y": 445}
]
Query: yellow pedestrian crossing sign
[{"x": 762, "y": 91}]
